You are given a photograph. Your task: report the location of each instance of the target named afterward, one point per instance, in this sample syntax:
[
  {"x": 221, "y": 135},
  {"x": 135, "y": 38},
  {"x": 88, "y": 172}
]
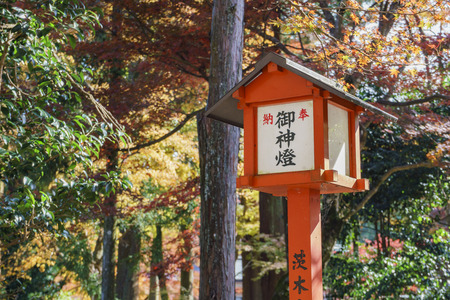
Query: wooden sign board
[{"x": 285, "y": 137}]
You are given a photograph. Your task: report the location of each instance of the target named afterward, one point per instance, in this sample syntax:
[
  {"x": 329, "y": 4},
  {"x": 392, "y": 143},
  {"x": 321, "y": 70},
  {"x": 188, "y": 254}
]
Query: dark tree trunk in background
[
  {"x": 127, "y": 280},
  {"x": 271, "y": 215},
  {"x": 186, "y": 285},
  {"x": 251, "y": 289},
  {"x": 108, "y": 263},
  {"x": 219, "y": 144},
  {"x": 272, "y": 222},
  {"x": 158, "y": 281},
  {"x": 108, "y": 235},
  {"x": 187, "y": 272},
  {"x": 332, "y": 225}
]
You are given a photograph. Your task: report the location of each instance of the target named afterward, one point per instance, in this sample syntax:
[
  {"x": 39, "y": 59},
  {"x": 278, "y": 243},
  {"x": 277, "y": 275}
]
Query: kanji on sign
[
  {"x": 298, "y": 285},
  {"x": 285, "y": 158},
  {"x": 299, "y": 261},
  {"x": 303, "y": 114},
  {"x": 285, "y": 138},
  {"x": 267, "y": 119},
  {"x": 285, "y": 118}
]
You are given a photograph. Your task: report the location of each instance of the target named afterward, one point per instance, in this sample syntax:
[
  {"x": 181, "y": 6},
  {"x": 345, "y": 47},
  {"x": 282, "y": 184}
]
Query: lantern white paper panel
[
  {"x": 338, "y": 139},
  {"x": 285, "y": 137}
]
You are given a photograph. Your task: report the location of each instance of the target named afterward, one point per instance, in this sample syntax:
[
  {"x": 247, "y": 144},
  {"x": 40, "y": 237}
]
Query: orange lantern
[{"x": 301, "y": 139}]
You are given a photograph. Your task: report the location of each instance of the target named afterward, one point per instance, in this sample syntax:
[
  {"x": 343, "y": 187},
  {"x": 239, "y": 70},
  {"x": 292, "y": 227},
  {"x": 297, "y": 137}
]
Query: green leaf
[
  {"x": 44, "y": 31},
  {"x": 72, "y": 40},
  {"x": 108, "y": 187}
]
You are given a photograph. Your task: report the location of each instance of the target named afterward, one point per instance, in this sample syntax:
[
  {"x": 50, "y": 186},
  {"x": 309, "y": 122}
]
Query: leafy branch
[
  {"x": 104, "y": 113},
  {"x": 6, "y": 44},
  {"x": 383, "y": 179},
  {"x": 165, "y": 136},
  {"x": 360, "y": 9},
  {"x": 417, "y": 101}
]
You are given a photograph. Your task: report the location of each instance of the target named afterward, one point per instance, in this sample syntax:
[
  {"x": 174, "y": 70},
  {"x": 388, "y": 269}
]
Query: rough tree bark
[
  {"x": 157, "y": 281},
  {"x": 272, "y": 222},
  {"x": 187, "y": 272},
  {"x": 127, "y": 279},
  {"x": 108, "y": 235},
  {"x": 108, "y": 263},
  {"x": 251, "y": 289},
  {"x": 219, "y": 145}
]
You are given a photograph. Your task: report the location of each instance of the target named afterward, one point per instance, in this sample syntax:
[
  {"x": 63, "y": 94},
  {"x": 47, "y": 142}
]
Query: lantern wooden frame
[
  {"x": 277, "y": 80},
  {"x": 277, "y": 85}
]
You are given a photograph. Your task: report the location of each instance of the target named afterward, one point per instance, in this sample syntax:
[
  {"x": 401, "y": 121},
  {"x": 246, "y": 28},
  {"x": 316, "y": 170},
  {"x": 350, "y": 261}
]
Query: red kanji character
[
  {"x": 267, "y": 119},
  {"x": 303, "y": 114}
]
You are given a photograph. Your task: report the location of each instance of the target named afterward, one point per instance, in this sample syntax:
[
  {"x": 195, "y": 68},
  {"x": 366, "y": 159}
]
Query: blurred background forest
[{"x": 99, "y": 155}]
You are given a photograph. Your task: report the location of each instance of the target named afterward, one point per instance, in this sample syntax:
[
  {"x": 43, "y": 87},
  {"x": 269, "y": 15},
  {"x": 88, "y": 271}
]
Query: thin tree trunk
[
  {"x": 162, "y": 288},
  {"x": 97, "y": 255},
  {"x": 355, "y": 241},
  {"x": 272, "y": 222},
  {"x": 219, "y": 144},
  {"x": 108, "y": 264},
  {"x": 377, "y": 238},
  {"x": 108, "y": 236},
  {"x": 157, "y": 281},
  {"x": 127, "y": 280},
  {"x": 251, "y": 288},
  {"x": 108, "y": 258},
  {"x": 332, "y": 225},
  {"x": 154, "y": 288},
  {"x": 187, "y": 272},
  {"x": 186, "y": 285}
]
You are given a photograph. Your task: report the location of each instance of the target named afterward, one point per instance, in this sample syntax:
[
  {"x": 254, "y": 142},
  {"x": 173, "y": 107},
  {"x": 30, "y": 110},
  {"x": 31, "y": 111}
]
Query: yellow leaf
[
  {"x": 413, "y": 72},
  {"x": 354, "y": 18},
  {"x": 394, "y": 72}
]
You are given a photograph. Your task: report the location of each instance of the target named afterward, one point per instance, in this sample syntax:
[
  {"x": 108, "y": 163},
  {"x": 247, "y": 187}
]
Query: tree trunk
[
  {"x": 108, "y": 267},
  {"x": 219, "y": 144},
  {"x": 271, "y": 216},
  {"x": 108, "y": 258},
  {"x": 127, "y": 280},
  {"x": 154, "y": 288},
  {"x": 252, "y": 289},
  {"x": 187, "y": 271},
  {"x": 157, "y": 280},
  {"x": 186, "y": 285},
  {"x": 272, "y": 222},
  {"x": 157, "y": 258},
  {"x": 97, "y": 255},
  {"x": 108, "y": 236},
  {"x": 332, "y": 226}
]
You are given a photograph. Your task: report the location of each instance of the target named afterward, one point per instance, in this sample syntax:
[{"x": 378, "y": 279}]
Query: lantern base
[{"x": 326, "y": 181}]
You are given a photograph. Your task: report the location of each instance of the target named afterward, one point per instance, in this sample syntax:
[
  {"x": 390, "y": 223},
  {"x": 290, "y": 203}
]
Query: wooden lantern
[{"x": 301, "y": 139}]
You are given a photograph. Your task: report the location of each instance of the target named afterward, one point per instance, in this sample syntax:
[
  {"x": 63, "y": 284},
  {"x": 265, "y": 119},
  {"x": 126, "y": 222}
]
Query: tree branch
[
  {"x": 375, "y": 189},
  {"x": 3, "y": 58},
  {"x": 105, "y": 114},
  {"x": 173, "y": 131},
  {"x": 274, "y": 40},
  {"x": 417, "y": 101}
]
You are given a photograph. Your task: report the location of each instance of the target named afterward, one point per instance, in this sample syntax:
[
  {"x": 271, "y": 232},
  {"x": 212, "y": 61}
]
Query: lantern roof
[{"x": 226, "y": 109}]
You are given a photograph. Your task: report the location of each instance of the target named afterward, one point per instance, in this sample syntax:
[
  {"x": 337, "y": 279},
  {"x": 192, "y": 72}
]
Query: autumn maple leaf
[{"x": 394, "y": 72}]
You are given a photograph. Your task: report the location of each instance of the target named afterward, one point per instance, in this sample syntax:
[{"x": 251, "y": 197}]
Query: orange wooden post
[{"x": 305, "y": 245}]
